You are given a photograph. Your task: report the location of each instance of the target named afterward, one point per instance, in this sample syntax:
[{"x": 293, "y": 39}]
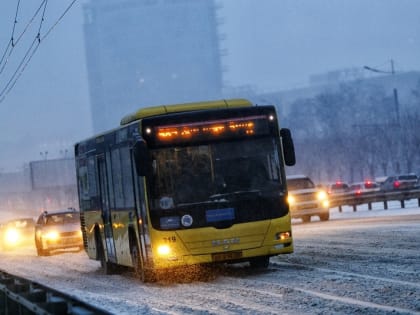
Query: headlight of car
[
  {"x": 322, "y": 195},
  {"x": 291, "y": 200},
  {"x": 12, "y": 236},
  {"x": 323, "y": 198},
  {"x": 51, "y": 236}
]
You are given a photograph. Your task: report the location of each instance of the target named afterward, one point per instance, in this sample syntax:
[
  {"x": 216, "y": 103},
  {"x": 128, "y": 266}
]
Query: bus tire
[
  {"x": 135, "y": 258},
  {"x": 139, "y": 272},
  {"x": 260, "y": 262},
  {"x": 106, "y": 266}
]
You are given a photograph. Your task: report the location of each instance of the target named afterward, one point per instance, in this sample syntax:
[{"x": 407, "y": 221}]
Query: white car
[
  {"x": 400, "y": 182},
  {"x": 306, "y": 200},
  {"x": 58, "y": 230},
  {"x": 365, "y": 187}
]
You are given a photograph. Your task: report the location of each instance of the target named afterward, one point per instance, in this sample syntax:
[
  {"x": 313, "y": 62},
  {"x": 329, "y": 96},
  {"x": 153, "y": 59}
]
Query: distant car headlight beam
[{"x": 12, "y": 236}]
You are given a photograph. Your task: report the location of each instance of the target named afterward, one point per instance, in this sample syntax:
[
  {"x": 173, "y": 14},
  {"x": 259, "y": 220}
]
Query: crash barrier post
[{"x": 22, "y": 296}]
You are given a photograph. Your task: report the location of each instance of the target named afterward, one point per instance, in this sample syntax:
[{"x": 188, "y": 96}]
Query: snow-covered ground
[{"x": 365, "y": 262}]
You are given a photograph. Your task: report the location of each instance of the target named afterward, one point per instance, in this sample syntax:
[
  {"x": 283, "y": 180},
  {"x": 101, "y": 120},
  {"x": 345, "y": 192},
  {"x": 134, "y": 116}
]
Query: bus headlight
[
  {"x": 325, "y": 203},
  {"x": 12, "y": 236},
  {"x": 291, "y": 200},
  {"x": 283, "y": 235},
  {"x": 163, "y": 250}
]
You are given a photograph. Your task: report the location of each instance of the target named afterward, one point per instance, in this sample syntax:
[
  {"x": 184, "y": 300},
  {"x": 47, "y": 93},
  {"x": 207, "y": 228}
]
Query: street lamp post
[
  {"x": 395, "y": 91},
  {"x": 397, "y": 113},
  {"x": 44, "y": 154}
]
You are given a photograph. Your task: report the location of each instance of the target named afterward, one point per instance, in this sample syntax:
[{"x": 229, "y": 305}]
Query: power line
[
  {"x": 22, "y": 65},
  {"x": 11, "y": 37},
  {"x": 32, "y": 49},
  {"x": 28, "y": 55},
  {"x": 59, "y": 19},
  {"x": 12, "y": 43}
]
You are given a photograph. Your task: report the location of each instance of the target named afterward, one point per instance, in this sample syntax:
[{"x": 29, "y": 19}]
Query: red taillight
[
  {"x": 358, "y": 192},
  {"x": 396, "y": 184}
]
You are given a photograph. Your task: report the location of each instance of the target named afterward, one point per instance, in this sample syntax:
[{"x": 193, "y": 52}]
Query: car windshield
[
  {"x": 339, "y": 186},
  {"x": 62, "y": 218},
  {"x": 299, "y": 183},
  {"x": 407, "y": 177}
]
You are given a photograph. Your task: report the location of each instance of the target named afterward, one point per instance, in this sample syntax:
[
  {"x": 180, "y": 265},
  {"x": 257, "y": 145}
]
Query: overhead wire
[
  {"x": 59, "y": 19},
  {"x": 13, "y": 42},
  {"x": 10, "y": 43},
  {"x": 32, "y": 49},
  {"x": 22, "y": 65},
  {"x": 9, "y": 86}
]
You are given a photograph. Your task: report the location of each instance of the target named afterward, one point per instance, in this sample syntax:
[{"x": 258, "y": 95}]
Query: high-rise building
[{"x": 150, "y": 52}]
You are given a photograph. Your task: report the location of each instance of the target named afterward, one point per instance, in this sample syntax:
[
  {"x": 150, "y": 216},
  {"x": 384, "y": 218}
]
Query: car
[
  {"x": 338, "y": 187},
  {"x": 367, "y": 186},
  {"x": 400, "y": 182},
  {"x": 58, "y": 230},
  {"x": 307, "y": 200},
  {"x": 17, "y": 233}
]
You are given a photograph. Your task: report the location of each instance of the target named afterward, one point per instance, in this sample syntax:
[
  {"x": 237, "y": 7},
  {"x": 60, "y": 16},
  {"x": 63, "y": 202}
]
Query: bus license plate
[{"x": 226, "y": 256}]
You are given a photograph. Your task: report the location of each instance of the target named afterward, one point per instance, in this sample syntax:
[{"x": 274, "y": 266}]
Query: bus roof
[{"x": 175, "y": 108}]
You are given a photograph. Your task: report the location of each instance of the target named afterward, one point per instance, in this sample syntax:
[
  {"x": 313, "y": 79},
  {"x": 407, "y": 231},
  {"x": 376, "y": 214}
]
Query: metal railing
[
  {"x": 351, "y": 199},
  {"x": 22, "y": 296}
]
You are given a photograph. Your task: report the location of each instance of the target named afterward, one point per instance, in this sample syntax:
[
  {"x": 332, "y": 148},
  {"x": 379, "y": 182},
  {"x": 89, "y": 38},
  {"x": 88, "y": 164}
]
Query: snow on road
[{"x": 358, "y": 262}]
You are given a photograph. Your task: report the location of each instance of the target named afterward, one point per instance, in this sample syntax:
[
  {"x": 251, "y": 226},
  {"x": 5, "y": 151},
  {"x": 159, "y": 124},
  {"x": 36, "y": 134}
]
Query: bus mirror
[
  {"x": 142, "y": 158},
  {"x": 288, "y": 147}
]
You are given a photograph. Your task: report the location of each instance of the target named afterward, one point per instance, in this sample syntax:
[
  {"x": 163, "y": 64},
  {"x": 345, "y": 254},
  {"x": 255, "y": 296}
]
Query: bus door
[
  {"x": 141, "y": 215},
  {"x": 106, "y": 212}
]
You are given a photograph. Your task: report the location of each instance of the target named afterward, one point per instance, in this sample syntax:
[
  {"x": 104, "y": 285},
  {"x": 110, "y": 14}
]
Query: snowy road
[{"x": 365, "y": 262}]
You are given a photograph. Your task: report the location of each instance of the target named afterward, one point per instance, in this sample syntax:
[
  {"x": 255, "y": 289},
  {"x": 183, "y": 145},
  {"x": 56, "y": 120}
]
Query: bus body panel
[
  {"x": 121, "y": 221},
  {"x": 204, "y": 244},
  {"x": 177, "y": 108},
  {"x": 120, "y": 224},
  {"x": 92, "y": 219}
]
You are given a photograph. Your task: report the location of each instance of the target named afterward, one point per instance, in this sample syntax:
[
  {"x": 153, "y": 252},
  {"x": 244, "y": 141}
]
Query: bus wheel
[
  {"x": 140, "y": 273},
  {"x": 260, "y": 262},
  {"x": 106, "y": 266}
]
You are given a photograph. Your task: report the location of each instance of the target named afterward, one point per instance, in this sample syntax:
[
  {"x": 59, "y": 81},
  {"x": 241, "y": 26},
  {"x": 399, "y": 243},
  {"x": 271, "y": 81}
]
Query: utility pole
[
  {"x": 395, "y": 91},
  {"x": 397, "y": 132}
]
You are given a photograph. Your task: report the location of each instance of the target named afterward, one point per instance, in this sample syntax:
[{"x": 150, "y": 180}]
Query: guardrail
[
  {"x": 22, "y": 296},
  {"x": 351, "y": 199}
]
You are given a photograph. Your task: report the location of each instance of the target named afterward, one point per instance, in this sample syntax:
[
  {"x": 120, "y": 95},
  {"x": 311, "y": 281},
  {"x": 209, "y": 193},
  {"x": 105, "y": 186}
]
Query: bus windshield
[{"x": 194, "y": 174}]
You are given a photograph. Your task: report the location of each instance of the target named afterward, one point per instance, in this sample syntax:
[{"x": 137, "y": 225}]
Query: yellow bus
[{"x": 186, "y": 184}]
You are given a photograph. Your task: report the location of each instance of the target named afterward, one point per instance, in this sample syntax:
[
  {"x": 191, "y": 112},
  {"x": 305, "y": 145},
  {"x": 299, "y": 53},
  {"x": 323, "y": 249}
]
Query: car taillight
[
  {"x": 358, "y": 192},
  {"x": 396, "y": 184}
]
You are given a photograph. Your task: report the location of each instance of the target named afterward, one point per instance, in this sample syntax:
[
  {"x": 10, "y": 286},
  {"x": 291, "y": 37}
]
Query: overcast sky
[{"x": 271, "y": 44}]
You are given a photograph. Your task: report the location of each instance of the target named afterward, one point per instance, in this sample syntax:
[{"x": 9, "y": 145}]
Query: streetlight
[
  {"x": 397, "y": 105},
  {"x": 44, "y": 154}
]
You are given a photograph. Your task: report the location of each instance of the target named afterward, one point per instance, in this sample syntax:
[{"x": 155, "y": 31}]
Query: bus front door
[
  {"x": 141, "y": 214},
  {"x": 106, "y": 212}
]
